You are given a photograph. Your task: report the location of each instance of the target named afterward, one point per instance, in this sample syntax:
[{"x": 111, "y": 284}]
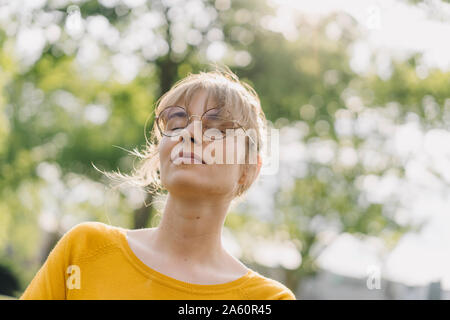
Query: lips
[{"x": 189, "y": 155}]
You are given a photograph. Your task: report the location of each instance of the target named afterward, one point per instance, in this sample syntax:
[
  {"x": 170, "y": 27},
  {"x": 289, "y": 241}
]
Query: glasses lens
[
  {"x": 215, "y": 122},
  {"x": 172, "y": 119}
]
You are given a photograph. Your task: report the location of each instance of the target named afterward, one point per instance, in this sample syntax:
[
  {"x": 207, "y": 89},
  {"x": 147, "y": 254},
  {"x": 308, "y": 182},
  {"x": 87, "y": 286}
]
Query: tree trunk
[{"x": 167, "y": 71}]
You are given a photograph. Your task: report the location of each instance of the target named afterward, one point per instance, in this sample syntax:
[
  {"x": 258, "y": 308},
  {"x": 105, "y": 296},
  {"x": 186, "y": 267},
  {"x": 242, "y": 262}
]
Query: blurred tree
[
  {"x": 78, "y": 79},
  {"x": 76, "y": 91}
]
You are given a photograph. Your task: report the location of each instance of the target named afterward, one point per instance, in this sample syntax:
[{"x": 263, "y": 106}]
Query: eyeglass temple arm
[{"x": 234, "y": 121}]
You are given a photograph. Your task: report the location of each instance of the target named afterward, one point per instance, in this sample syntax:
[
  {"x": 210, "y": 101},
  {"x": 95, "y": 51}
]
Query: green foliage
[{"x": 45, "y": 107}]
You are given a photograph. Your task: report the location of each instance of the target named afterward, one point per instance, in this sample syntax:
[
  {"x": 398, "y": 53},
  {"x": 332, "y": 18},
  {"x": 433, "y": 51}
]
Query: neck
[{"x": 190, "y": 230}]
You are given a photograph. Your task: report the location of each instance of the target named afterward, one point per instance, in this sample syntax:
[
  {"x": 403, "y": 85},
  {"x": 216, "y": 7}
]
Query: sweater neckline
[{"x": 154, "y": 274}]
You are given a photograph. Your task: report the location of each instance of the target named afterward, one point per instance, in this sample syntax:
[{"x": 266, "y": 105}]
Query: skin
[{"x": 187, "y": 245}]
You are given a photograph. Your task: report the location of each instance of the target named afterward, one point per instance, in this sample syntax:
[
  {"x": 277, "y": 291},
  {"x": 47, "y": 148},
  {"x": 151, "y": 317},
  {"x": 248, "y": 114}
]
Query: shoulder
[
  {"x": 89, "y": 229},
  {"x": 264, "y": 288},
  {"x": 89, "y": 237}
]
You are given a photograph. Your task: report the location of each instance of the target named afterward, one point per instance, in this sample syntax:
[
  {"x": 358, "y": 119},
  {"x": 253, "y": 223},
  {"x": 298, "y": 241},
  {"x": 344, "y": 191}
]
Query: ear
[
  {"x": 259, "y": 165},
  {"x": 243, "y": 177}
]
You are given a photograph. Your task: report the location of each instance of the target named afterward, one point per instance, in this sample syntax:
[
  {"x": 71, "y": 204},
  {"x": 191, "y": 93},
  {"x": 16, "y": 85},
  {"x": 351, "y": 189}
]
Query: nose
[{"x": 195, "y": 139}]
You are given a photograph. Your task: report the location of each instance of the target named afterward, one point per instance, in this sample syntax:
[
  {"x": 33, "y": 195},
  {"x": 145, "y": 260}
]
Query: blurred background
[{"x": 360, "y": 93}]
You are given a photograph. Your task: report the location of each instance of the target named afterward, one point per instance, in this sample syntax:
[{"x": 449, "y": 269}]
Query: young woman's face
[{"x": 182, "y": 175}]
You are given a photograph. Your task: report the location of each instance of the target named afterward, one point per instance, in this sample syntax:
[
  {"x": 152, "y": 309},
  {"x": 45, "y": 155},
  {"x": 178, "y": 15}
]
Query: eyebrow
[
  {"x": 204, "y": 110},
  {"x": 218, "y": 108},
  {"x": 173, "y": 114}
]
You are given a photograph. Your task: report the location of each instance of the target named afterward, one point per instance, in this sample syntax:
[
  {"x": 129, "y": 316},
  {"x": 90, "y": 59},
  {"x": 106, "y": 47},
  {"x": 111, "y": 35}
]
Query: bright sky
[{"x": 392, "y": 26}]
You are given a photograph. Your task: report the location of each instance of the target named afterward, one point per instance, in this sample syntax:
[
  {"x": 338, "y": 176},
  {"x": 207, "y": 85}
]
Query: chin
[
  {"x": 191, "y": 184},
  {"x": 185, "y": 180},
  {"x": 197, "y": 179}
]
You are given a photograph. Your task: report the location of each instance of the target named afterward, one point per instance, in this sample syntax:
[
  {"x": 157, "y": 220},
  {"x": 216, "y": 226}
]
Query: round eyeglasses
[{"x": 172, "y": 120}]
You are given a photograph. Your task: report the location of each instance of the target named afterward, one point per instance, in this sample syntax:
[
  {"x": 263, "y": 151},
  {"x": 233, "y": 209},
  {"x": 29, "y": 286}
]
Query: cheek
[
  {"x": 163, "y": 151},
  {"x": 166, "y": 145},
  {"x": 229, "y": 151},
  {"x": 165, "y": 148},
  {"x": 226, "y": 175},
  {"x": 228, "y": 157}
]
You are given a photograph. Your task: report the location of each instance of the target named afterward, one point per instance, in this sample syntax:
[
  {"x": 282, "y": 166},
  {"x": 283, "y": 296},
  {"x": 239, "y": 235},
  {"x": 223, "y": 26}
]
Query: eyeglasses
[{"x": 172, "y": 120}]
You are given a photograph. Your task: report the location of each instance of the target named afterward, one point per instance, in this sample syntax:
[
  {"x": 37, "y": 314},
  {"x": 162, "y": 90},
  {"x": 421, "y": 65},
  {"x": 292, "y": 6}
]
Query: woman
[{"x": 198, "y": 156}]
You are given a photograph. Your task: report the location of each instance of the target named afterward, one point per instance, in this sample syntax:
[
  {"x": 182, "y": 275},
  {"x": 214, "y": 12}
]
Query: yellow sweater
[{"x": 94, "y": 261}]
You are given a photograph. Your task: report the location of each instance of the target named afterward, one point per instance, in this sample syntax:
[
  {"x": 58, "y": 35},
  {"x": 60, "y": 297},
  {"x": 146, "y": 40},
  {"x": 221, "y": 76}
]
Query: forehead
[
  {"x": 195, "y": 100},
  {"x": 200, "y": 101}
]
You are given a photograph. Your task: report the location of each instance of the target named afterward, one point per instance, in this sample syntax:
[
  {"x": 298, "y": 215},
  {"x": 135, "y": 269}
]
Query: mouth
[{"x": 189, "y": 157}]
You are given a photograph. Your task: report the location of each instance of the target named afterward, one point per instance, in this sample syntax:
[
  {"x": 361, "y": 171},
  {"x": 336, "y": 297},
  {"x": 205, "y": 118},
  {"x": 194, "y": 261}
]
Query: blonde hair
[{"x": 227, "y": 91}]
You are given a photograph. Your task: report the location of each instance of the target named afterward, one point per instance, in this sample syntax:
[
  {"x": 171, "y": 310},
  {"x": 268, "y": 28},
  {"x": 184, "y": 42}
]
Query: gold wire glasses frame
[{"x": 185, "y": 123}]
